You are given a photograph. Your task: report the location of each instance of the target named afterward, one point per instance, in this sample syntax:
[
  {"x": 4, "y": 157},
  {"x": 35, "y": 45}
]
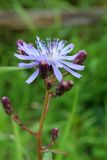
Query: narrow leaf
[
  {"x": 59, "y": 152},
  {"x": 8, "y": 69}
]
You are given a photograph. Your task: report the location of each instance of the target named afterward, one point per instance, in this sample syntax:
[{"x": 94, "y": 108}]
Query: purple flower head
[{"x": 48, "y": 57}]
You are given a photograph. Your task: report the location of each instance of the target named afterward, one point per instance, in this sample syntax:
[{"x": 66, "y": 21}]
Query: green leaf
[
  {"x": 47, "y": 156},
  {"x": 7, "y": 69},
  {"x": 18, "y": 142},
  {"x": 56, "y": 151}
]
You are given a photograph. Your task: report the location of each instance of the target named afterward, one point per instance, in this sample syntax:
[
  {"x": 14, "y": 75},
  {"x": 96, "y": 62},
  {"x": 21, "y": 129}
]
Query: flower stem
[{"x": 44, "y": 111}]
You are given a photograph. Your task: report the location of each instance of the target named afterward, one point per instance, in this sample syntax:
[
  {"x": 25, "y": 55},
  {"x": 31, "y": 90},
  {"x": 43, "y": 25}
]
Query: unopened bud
[
  {"x": 69, "y": 85},
  {"x": 54, "y": 133},
  {"x": 80, "y": 58},
  {"x": 44, "y": 69},
  {"x": 19, "y": 42},
  {"x": 7, "y": 105},
  {"x": 63, "y": 87}
]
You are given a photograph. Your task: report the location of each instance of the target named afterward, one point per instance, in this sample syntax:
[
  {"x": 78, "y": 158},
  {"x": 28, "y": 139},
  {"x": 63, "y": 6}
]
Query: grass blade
[{"x": 5, "y": 69}]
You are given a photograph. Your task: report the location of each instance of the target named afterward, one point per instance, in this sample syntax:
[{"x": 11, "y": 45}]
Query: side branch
[{"x": 20, "y": 124}]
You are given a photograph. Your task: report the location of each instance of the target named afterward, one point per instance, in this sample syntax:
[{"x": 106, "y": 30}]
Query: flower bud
[
  {"x": 19, "y": 42},
  {"x": 80, "y": 58},
  {"x": 54, "y": 133},
  {"x": 7, "y": 105},
  {"x": 63, "y": 87},
  {"x": 43, "y": 69},
  {"x": 69, "y": 85}
]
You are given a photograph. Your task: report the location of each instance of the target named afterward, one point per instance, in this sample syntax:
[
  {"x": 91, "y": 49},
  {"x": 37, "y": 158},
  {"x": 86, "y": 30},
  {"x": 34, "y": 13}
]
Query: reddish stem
[{"x": 39, "y": 137}]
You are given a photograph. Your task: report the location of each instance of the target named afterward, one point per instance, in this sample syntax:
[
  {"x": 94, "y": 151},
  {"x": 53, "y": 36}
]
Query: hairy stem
[{"x": 43, "y": 115}]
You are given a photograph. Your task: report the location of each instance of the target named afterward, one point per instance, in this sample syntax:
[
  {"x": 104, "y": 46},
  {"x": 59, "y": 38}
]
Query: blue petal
[
  {"x": 23, "y": 57},
  {"x": 71, "y": 71},
  {"x": 72, "y": 65},
  {"x": 67, "y": 57},
  {"x": 57, "y": 64},
  {"x": 57, "y": 72},
  {"x": 67, "y": 49},
  {"x": 39, "y": 42},
  {"x": 27, "y": 65},
  {"x": 28, "y": 49},
  {"x": 41, "y": 46},
  {"x": 33, "y": 77},
  {"x": 61, "y": 45}
]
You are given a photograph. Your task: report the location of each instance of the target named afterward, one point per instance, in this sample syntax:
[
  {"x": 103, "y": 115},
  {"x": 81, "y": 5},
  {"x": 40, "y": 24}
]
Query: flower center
[{"x": 44, "y": 69}]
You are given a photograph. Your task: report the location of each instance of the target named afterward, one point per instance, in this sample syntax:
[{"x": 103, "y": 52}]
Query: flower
[{"x": 48, "y": 58}]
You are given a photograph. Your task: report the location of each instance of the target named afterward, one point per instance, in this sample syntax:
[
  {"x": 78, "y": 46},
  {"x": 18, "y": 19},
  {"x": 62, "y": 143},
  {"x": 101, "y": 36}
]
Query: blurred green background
[{"x": 81, "y": 114}]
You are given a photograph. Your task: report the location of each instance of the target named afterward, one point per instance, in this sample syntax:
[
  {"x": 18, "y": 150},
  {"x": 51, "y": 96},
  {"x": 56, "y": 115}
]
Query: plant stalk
[{"x": 42, "y": 119}]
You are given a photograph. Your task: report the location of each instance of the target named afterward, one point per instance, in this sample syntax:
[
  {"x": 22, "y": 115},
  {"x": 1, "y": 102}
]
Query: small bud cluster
[
  {"x": 7, "y": 105},
  {"x": 64, "y": 86}
]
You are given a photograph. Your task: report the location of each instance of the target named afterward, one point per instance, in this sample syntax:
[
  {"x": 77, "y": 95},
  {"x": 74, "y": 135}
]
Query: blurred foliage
[{"x": 81, "y": 114}]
